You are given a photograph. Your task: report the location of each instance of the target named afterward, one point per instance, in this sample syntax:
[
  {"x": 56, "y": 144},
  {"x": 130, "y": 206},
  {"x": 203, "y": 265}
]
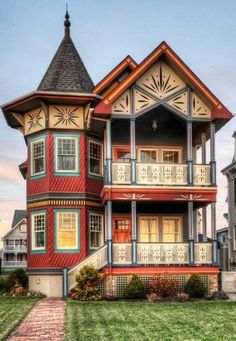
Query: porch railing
[
  {"x": 98, "y": 259},
  {"x": 161, "y": 253},
  {"x": 161, "y": 174},
  {"x": 15, "y": 248},
  {"x": 15, "y": 264}
]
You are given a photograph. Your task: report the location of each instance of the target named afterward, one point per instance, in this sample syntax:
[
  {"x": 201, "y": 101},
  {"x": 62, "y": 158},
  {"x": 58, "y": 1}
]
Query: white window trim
[
  {"x": 76, "y": 230},
  {"x": 102, "y": 230},
  {"x": 32, "y": 159},
  {"x": 33, "y": 247},
  {"x": 76, "y": 154},
  {"x": 159, "y": 152},
  {"x": 101, "y": 160}
]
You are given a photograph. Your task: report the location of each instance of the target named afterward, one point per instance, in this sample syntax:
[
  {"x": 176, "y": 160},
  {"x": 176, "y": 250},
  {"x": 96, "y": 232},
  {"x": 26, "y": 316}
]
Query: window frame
[
  {"x": 102, "y": 230},
  {"x": 32, "y": 232},
  {"x": 172, "y": 149},
  {"x": 101, "y": 161},
  {"x": 56, "y": 224},
  {"x": 77, "y": 154},
  {"x": 32, "y": 142}
]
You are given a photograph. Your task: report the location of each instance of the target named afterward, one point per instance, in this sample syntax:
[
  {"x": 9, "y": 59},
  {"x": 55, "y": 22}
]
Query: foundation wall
[{"x": 49, "y": 285}]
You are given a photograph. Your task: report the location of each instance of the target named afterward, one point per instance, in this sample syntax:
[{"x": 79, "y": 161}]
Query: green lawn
[
  {"x": 142, "y": 321},
  {"x": 12, "y": 312}
]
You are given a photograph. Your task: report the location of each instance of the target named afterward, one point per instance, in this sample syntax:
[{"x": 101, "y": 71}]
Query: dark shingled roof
[
  {"x": 67, "y": 72},
  {"x": 18, "y": 216}
]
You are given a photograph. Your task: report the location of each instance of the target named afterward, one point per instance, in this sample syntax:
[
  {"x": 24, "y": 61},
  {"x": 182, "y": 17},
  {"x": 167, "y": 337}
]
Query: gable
[
  {"x": 160, "y": 85},
  {"x": 163, "y": 79}
]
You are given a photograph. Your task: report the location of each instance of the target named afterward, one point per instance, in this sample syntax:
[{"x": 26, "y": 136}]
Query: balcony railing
[
  {"x": 15, "y": 248},
  {"x": 161, "y": 253},
  {"x": 14, "y": 264},
  {"x": 161, "y": 174}
]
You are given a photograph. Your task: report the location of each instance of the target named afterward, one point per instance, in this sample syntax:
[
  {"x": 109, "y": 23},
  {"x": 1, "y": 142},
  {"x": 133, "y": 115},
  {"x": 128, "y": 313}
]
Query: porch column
[
  {"x": 133, "y": 150},
  {"x": 191, "y": 232},
  {"x": 106, "y": 222},
  {"x": 203, "y": 148},
  {"x": 204, "y": 224},
  {"x": 213, "y": 234},
  {"x": 212, "y": 154},
  {"x": 134, "y": 231},
  {"x": 108, "y": 153},
  {"x": 190, "y": 152},
  {"x": 109, "y": 231}
]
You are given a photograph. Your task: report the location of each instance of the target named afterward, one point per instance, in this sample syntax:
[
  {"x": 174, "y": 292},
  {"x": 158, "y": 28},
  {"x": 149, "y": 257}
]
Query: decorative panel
[
  {"x": 199, "y": 109},
  {"x": 142, "y": 101},
  {"x": 34, "y": 121},
  {"x": 161, "y": 81},
  {"x": 180, "y": 102},
  {"x": 122, "y": 105},
  {"x": 66, "y": 117}
]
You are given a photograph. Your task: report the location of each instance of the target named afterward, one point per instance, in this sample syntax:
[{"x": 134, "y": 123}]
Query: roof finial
[{"x": 67, "y": 22}]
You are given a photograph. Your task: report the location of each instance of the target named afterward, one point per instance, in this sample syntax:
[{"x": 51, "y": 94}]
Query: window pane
[
  {"x": 149, "y": 230},
  {"x": 171, "y": 230},
  {"x": 95, "y": 158},
  {"x": 66, "y": 154},
  {"x": 148, "y": 156},
  {"x": 123, "y": 156},
  {"x": 170, "y": 156},
  {"x": 39, "y": 239},
  {"x": 67, "y": 230},
  {"x": 38, "y": 231},
  {"x": 37, "y": 157},
  {"x": 95, "y": 229}
]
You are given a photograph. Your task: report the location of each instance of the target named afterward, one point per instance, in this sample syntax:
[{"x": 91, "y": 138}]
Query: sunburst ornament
[
  {"x": 66, "y": 116},
  {"x": 34, "y": 120}
]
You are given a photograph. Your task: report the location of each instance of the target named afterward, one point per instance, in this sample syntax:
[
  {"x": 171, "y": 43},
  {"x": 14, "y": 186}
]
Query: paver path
[{"x": 44, "y": 322}]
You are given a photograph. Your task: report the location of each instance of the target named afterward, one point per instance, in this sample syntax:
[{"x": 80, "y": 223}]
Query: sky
[{"x": 202, "y": 33}]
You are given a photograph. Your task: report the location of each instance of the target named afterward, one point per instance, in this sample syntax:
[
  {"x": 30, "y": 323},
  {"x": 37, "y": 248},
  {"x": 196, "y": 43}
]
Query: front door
[{"x": 121, "y": 230}]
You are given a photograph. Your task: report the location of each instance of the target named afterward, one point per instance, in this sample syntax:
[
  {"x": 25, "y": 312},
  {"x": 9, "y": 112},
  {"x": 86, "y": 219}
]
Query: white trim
[
  {"x": 32, "y": 173},
  {"x": 102, "y": 230},
  {"x": 33, "y": 247}
]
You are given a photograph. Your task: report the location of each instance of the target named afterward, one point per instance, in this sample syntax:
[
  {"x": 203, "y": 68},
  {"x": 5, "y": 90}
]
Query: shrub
[
  {"x": 219, "y": 295},
  {"x": 195, "y": 287},
  {"x": 135, "y": 288},
  {"x": 87, "y": 288},
  {"x": 19, "y": 277},
  {"x": 182, "y": 297},
  {"x": 164, "y": 286},
  {"x": 4, "y": 284}
]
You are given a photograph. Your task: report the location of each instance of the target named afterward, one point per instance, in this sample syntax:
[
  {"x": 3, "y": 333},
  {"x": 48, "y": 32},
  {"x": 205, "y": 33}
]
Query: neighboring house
[
  {"x": 230, "y": 173},
  {"x": 14, "y": 251},
  {"x": 222, "y": 234},
  {"x": 113, "y": 174}
]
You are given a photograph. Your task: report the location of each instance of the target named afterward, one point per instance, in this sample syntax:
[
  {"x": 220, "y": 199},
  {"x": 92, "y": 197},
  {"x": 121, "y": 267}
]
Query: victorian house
[{"x": 116, "y": 173}]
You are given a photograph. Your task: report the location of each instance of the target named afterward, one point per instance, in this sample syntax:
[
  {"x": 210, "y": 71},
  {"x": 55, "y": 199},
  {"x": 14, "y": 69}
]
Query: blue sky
[{"x": 202, "y": 33}]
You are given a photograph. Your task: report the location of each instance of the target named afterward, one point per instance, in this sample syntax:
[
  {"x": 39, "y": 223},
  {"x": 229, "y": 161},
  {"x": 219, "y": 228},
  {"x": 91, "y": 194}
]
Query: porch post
[
  {"x": 203, "y": 148},
  {"x": 133, "y": 150},
  {"x": 134, "y": 231},
  {"x": 109, "y": 231},
  {"x": 191, "y": 232},
  {"x": 212, "y": 154},
  {"x": 190, "y": 152},
  {"x": 213, "y": 234},
  {"x": 204, "y": 224},
  {"x": 108, "y": 153}
]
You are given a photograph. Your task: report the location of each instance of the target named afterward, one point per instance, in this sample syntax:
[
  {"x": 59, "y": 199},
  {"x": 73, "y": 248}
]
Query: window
[
  {"x": 122, "y": 154},
  {"x": 38, "y": 230},
  {"x": 171, "y": 156},
  {"x": 148, "y": 230},
  {"x": 148, "y": 155},
  {"x": 234, "y": 191},
  {"x": 67, "y": 154},
  {"x": 171, "y": 230},
  {"x": 38, "y": 157},
  {"x": 95, "y": 158},
  {"x": 95, "y": 230},
  {"x": 67, "y": 230}
]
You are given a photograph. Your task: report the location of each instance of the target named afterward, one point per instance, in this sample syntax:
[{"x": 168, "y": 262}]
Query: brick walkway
[{"x": 44, "y": 322}]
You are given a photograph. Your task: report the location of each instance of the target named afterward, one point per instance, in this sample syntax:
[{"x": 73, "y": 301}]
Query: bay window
[
  {"x": 66, "y": 154},
  {"x": 37, "y": 157}
]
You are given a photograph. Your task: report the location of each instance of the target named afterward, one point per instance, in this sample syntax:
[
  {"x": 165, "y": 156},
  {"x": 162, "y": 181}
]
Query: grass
[
  {"x": 141, "y": 321},
  {"x": 12, "y": 312}
]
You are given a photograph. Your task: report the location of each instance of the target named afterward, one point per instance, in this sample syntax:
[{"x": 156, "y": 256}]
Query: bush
[
  {"x": 164, "y": 286},
  {"x": 219, "y": 295},
  {"x": 19, "y": 277},
  {"x": 182, "y": 297},
  {"x": 195, "y": 287},
  {"x": 4, "y": 284},
  {"x": 87, "y": 288},
  {"x": 135, "y": 288}
]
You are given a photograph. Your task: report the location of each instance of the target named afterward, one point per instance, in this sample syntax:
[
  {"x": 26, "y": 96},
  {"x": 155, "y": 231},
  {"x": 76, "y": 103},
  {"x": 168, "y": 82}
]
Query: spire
[
  {"x": 67, "y": 22},
  {"x": 66, "y": 72}
]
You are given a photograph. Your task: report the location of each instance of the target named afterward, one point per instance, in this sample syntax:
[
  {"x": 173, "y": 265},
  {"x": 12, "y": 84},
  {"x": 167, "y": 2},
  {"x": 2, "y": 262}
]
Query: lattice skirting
[{"x": 115, "y": 285}]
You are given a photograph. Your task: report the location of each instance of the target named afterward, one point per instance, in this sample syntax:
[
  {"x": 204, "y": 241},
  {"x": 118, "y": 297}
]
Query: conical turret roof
[{"x": 66, "y": 72}]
